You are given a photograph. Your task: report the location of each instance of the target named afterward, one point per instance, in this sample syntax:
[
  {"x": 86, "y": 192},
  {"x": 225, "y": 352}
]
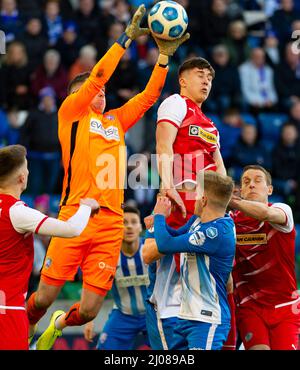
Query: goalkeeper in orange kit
[{"x": 89, "y": 140}]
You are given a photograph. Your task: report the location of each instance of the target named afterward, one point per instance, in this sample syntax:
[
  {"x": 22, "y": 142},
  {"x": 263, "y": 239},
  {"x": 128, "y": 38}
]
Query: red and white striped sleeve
[
  {"x": 172, "y": 110},
  {"x": 289, "y": 225},
  {"x": 25, "y": 219}
]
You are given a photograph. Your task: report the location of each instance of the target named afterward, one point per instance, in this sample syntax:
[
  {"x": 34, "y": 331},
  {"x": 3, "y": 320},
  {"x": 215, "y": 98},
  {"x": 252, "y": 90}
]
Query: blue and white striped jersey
[
  {"x": 166, "y": 294},
  {"x": 164, "y": 290},
  {"x": 207, "y": 258},
  {"x": 130, "y": 285}
]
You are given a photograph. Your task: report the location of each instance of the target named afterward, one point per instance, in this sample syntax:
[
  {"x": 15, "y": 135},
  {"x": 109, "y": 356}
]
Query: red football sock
[
  {"x": 34, "y": 314},
  {"x": 230, "y": 343},
  {"x": 73, "y": 317}
]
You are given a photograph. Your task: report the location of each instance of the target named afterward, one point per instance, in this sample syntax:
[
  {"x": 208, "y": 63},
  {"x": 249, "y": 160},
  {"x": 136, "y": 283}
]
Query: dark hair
[
  {"x": 259, "y": 168},
  {"x": 78, "y": 79},
  {"x": 131, "y": 209},
  {"x": 195, "y": 62},
  {"x": 12, "y": 157}
]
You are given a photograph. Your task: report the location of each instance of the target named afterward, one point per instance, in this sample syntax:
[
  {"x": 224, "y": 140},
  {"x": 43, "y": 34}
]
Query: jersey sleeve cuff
[
  {"x": 169, "y": 121},
  {"x": 40, "y": 224}
]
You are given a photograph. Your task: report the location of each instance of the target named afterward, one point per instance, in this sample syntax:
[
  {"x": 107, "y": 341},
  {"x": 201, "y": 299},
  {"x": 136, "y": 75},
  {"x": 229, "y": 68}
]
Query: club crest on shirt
[
  {"x": 48, "y": 262},
  {"x": 110, "y": 117},
  {"x": 211, "y": 232},
  {"x": 197, "y": 238}
]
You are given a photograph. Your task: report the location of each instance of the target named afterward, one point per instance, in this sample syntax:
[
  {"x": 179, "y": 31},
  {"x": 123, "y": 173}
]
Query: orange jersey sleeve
[
  {"x": 77, "y": 103},
  {"x": 136, "y": 107}
]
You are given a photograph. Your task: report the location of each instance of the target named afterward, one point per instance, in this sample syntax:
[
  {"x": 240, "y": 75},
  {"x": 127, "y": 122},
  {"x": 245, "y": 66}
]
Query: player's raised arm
[
  {"x": 135, "y": 108},
  {"x": 25, "y": 219},
  {"x": 80, "y": 98}
]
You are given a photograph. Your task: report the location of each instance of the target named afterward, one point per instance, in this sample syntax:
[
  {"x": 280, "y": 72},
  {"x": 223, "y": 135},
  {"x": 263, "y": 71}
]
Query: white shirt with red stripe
[
  {"x": 17, "y": 223},
  {"x": 264, "y": 270},
  {"x": 196, "y": 141}
]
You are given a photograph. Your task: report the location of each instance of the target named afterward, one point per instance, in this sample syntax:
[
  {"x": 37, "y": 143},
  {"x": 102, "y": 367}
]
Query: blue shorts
[
  {"x": 121, "y": 331},
  {"x": 160, "y": 331},
  {"x": 190, "y": 334}
]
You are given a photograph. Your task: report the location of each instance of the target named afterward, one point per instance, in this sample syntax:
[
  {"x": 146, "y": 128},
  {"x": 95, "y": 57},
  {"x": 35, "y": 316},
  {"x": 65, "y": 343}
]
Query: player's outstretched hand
[
  {"x": 95, "y": 206},
  {"x": 168, "y": 47},
  {"x": 163, "y": 206},
  {"x": 133, "y": 30}
]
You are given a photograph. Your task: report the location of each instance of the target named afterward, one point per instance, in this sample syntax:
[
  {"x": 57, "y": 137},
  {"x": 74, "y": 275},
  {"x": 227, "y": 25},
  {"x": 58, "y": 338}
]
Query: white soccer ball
[{"x": 167, "y": 20}]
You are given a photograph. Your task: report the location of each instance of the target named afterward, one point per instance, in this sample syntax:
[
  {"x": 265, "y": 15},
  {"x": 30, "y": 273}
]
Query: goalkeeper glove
[{"x": 133, "y": 30}]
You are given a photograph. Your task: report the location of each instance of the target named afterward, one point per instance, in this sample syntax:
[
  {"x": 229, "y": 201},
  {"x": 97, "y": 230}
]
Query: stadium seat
[{"x": 270, "y": 125}]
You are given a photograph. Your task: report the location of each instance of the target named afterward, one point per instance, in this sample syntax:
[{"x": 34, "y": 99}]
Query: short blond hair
[{"x": 218, "y": 188}]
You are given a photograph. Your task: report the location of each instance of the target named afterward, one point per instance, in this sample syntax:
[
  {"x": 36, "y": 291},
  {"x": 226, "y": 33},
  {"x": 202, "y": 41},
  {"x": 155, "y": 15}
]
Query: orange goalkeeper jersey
[{"x": 93, "y": 145}]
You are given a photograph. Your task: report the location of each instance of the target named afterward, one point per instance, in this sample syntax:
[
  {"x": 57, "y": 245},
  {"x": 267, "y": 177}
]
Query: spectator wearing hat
[
  {"x": 69, "y": 44},
  {"x": 39, "y": 135}
]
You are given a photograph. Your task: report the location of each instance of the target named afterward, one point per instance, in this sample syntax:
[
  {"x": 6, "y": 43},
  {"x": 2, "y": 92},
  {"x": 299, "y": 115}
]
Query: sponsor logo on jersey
[
  {"x": 211, "y": 232},
  {"x": 251, "y": 239},
  {"x": 110, "y": 117},
  {"x": 127, "y": 281},
  {"x": 206, "y": 313},
  {"x": 197, "y": 238},
  {"x": 197, "y": 131},
  {"x": 109, "y": 133}
]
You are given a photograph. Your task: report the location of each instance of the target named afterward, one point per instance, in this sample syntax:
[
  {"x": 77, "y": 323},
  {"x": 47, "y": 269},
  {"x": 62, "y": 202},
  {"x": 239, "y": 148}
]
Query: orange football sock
[{"x": 73, "y": 317}]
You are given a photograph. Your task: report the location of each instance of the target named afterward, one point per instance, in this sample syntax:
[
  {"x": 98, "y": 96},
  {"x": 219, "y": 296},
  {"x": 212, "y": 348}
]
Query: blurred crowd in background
[{"x": 255, "y": 98}]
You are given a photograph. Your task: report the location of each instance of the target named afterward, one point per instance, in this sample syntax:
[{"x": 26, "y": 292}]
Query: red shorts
[
  {"x": 277, "y": 328},
  {"x": 13, "y": 330},
  {"x": 176, "y": 219}
]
